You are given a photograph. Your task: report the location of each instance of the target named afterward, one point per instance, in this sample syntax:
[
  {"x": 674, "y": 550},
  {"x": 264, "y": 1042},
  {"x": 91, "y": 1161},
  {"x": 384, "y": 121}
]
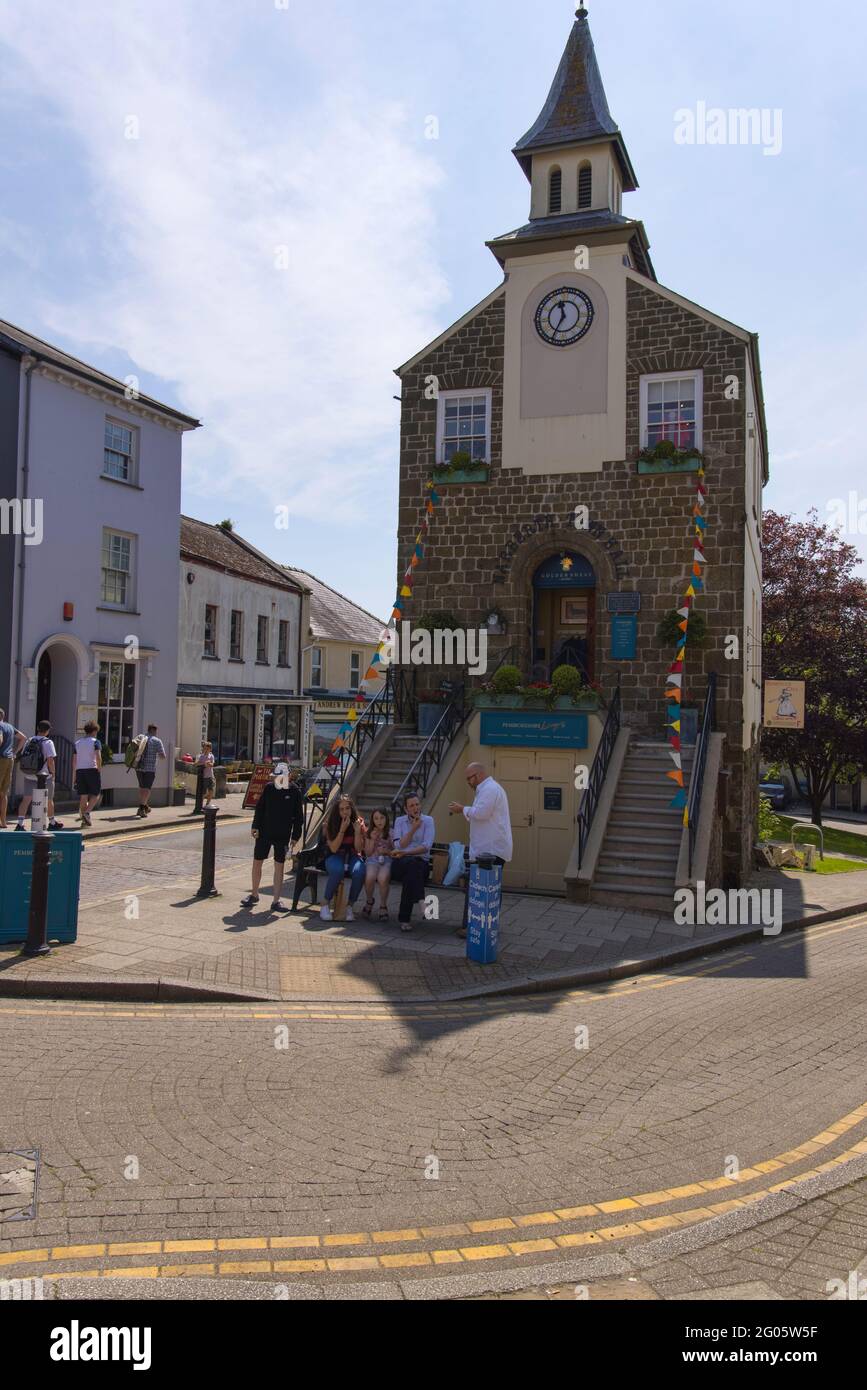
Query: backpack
[
  {"x": 31, "y": 758},
  {"x": 135, "y": 751}
]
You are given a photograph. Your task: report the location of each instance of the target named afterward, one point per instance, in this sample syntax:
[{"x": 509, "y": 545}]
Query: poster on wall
[{"x": 785, "y": 702}]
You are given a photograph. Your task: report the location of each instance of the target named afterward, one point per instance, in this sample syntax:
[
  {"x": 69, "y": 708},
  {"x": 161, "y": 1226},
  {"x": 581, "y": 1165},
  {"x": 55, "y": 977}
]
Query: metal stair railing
[
  {"x": 708, "y": 725},
  {"x": 598, "y": 773},
  {"x": 431, "y": 754},
  {"x": 64, "y": 749}
]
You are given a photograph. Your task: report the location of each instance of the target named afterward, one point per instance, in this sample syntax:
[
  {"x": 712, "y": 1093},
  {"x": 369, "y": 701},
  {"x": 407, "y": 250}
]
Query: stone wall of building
[{"x": 486, "y": 541}]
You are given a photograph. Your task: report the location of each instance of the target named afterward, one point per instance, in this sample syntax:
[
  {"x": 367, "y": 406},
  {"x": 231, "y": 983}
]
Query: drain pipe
[{"x": 28, "y": 362}]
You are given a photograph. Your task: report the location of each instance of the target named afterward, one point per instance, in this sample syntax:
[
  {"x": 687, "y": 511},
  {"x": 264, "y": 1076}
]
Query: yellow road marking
[{"x": 480, "y": 1252}]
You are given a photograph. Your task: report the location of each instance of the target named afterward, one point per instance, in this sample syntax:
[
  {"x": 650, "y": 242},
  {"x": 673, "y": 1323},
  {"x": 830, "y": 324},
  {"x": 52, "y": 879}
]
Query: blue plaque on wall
[{"x": 624, "y": 636}]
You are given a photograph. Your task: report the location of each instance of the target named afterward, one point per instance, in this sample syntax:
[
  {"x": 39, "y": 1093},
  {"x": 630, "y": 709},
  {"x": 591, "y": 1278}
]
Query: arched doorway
[{"x": 564, "y": 615}]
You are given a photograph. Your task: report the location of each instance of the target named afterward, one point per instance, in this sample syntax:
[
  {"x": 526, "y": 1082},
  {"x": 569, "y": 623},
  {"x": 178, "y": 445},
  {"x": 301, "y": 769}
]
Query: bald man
[{"x": 489, "y": 820}]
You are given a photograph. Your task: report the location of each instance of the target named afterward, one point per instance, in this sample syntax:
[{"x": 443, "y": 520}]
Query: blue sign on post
[
  {"x": 483, "y": 912},
  {"x": 624, "y": 636},
  {"x": 16, "y": 869}
]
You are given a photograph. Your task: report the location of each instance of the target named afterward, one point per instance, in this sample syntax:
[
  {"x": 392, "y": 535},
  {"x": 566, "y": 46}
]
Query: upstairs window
[
  {"x": 262, "y": 641},
  {"x": 118, "y": 454},
  {"x": 317, "y": 665},
  {"x": 355, "y": 670},
  {"x": 283, "y": 643},
  {"x": 211, "y": 617},
  {"x": 671, "y": 408},
  {"x": 555, "y": 190},
  {"x": 236, "y": 635},
  {"x": 117, "y": 569},
  {"x": 464, "y": 425}
]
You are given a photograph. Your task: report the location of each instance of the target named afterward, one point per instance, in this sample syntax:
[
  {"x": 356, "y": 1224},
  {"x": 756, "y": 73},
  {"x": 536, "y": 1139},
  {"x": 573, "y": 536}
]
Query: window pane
[
  {"x": 113, "y": 726},
  {"x": 128, "y": 683},
  {"x": 654, "y": 392}
]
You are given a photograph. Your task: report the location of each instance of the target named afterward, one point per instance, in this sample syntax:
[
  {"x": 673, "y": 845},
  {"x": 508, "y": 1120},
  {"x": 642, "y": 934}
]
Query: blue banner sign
[
  {"x": 531, "y": 728},
  {"x": 624, "y": 636},
  {"x": 483, "y": 913},
  {"x": 16, "y": 870},
  {"x": 567, "y": 571}
]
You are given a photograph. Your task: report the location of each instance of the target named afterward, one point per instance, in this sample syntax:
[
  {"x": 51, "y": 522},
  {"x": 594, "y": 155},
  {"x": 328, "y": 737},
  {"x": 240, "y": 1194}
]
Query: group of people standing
[
  {"x": 374, "y": 854},
  {"x": 86, "y": 770}
]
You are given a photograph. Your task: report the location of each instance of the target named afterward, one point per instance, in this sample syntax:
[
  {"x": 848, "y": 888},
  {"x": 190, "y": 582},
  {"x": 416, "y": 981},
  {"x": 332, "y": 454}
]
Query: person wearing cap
[{"x": 278, "y": 821}]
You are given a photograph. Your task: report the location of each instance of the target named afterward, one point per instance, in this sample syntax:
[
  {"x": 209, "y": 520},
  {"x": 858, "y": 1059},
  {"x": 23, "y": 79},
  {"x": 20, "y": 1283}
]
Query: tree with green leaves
[{"x": 814, "y": 629}]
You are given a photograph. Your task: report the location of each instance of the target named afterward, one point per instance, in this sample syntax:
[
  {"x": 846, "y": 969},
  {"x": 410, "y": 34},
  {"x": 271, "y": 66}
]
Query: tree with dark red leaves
[{"x": 814, "y": 628}]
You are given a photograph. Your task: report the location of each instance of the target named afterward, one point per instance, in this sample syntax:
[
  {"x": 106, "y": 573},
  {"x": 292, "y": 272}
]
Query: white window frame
[
  {"x": 131, "y": 480},
  {"x": 320, "y": 684},
  {"x": 129, "y": 606},
  {"x": 355, "y": 656},
  {"x": 695, "y": 374},
  {"x": 466, "y": 391}
]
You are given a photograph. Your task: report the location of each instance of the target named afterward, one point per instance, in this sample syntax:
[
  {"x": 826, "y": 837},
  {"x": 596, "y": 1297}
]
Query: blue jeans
[{"x": 336, "y": 866}]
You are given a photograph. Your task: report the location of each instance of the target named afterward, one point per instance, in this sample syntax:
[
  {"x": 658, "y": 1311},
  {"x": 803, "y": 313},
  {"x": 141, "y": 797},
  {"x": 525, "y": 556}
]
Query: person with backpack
[
  {"x": 278, "y": 822},
  {"x": 87, "y": 771},
  {"x": 37, "y": 758},
  {"x": 150, "y": 748},
  {"x": 11, "y": 742}
]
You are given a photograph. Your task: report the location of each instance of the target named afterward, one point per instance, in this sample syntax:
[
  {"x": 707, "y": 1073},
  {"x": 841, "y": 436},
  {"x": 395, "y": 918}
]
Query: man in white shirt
[
  {"x": 46, "y": 767},
  {"x": 489, "y": 820}
]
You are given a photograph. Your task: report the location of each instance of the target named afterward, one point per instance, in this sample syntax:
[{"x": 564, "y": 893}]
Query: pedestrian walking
[
  {"x": 278, "y": 822},
  {"x": 145, "y": 769},
  {"x": 11, "y": 742},
  {"x": 87, "y": 771},
  {"x": 344, "y": 839},
  {"x": 489, "y": 821},
  {"x": 42, "y": 756},
  {"x": 412, "y": 842},
  {"x": 205, "y": 761}
]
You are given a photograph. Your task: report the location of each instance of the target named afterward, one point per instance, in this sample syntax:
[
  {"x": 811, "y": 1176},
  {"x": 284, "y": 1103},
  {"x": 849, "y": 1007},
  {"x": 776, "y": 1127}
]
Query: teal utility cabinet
[{"x": 64, "y": 876}]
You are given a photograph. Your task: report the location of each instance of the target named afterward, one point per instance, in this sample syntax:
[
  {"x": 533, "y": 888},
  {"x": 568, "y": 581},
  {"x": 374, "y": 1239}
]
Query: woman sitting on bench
[{"x": 344, "y": 838}]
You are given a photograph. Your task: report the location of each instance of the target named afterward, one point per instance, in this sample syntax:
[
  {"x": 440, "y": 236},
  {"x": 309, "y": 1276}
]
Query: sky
[{"x": 240, "y": 203}]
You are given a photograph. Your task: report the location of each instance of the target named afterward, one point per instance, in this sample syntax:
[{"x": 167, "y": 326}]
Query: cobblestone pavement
[
  {"x": 141, "y": 922},
  {"x": 381, "y": 1143}
]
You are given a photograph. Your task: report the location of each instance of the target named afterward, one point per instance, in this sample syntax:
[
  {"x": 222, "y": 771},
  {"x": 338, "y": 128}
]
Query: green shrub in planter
[
  {"x": 506, "y": 680},
  {"x": 441, "y": 621},
  {"x": 668, "y": 632},
  {"x": 567, "y": 680}
]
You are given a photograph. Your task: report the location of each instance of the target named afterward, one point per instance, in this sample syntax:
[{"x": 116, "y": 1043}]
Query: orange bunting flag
[{"x": 676, "y": 775}]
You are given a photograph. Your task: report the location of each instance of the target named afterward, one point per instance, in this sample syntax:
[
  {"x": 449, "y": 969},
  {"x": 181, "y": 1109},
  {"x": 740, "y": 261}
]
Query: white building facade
[
  {"x": 242, "y": 624},
  {"x": 89, "y": 595}
]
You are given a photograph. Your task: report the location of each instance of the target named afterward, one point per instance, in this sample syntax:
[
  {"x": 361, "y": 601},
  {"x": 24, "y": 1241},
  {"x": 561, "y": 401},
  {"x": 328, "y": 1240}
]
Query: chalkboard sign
[
  {"x": 624, "y": 603},
  {"x": 553, "y": 798}
]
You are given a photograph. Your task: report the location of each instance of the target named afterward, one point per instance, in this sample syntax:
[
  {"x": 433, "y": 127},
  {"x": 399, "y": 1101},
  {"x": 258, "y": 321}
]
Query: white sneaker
[
  {"x": 325, "y": 913},
  {"x": 350, "y": 915}
]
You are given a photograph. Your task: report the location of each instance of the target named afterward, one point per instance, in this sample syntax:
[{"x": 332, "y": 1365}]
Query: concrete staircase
[
  {"x": 384, "y": 779},
  {"x": 638, "y": 860}
]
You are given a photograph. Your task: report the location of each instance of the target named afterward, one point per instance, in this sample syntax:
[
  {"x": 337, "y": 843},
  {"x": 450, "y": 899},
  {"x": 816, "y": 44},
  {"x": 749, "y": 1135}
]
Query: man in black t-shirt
[{"x": 278, "y": 821}]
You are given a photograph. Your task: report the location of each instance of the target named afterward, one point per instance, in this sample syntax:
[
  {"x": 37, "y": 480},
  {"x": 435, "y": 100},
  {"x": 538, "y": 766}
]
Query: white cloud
[{"x": 290, "y": 370}]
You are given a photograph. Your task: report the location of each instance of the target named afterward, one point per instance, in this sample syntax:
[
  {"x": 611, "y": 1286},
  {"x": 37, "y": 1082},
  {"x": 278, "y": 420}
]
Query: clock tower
[
  {"x": 565, "y": 299},
  {"x": 597, "y": 444}
]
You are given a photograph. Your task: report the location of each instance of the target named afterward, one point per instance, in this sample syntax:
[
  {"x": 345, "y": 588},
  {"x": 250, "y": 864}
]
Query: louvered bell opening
[
  {"x": 585, "y": 186},
  {"x": 555, "y": 190}
]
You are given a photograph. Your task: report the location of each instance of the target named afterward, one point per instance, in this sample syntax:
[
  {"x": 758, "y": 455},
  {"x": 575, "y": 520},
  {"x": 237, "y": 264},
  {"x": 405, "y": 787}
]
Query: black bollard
[
  {"x": 200, "y": 781},
  {"x": 37, "y": 925},
  {"x": 209, "y": 854}
]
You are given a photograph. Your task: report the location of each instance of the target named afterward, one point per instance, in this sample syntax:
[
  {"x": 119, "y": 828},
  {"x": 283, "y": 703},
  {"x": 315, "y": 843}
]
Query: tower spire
[{"x": 576, "y": 111}]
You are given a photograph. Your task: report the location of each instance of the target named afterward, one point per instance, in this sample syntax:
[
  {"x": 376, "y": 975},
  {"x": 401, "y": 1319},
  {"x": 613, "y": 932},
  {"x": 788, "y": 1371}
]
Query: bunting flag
[
  {"x": 674, "y": 678},
  {"x": 378, "y": 660}
]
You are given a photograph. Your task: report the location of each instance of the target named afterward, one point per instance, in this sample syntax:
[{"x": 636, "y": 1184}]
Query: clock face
[{"x": 564, "y": 316}]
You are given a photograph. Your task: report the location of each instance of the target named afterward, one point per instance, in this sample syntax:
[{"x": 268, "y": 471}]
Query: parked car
[{"x": 777, "y": 793}]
